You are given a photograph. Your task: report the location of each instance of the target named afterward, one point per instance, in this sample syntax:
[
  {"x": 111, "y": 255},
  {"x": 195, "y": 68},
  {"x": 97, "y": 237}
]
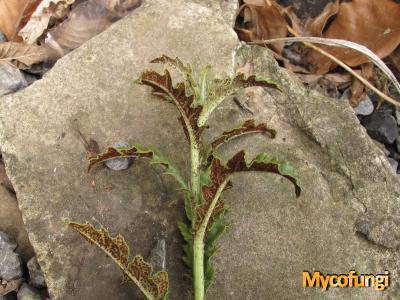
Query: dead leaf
[
  {"x": 315, "y": 26},
  {"x": 261, "y": 21},
  {"x": 14, "y": 14},
  {"x": 9, "y": 286},
  {"x": 374, "y": 24},
  {"x": 84, "y": 22},
  {"x": 40, "y": 19},
  {"x": 393, "y": 63},
  {"x": 357, "y": 88},
  {"x": 22, "y": 55}
]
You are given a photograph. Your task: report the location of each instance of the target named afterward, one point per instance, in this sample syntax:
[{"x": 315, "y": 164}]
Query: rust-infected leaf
[
  {"x": 137, "y": 269},
  {"x": 163, "y": 87},
  {"x": 219, "y": 89},
  {"x": 247, "y": 127},
  {"x": 150, "y": 152},
  {"x": 219, "y": 173}
]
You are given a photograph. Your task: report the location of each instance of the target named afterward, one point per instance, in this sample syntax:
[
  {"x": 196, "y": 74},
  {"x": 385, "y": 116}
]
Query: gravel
[
  {"x": 382, "y": 127},
  {"x": 365, "y": 108},
  {"x": 119, "y": 164},
  {"x": 11, "y": 80},
  {"x": 10, "y": 264},
  {"x": 36, "y": 276},
  {"x": 27, "y": 292},
  {"x": 5, "y": 242}
]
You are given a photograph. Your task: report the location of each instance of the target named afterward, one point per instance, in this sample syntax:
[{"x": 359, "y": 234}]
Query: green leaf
[
  {"x": 174, "y": 62},
  {"x": 189, "y": 206},
  {"x": 215, "y": 231},
  {"x": 200, "y": 88},
  {"x": 149, "y": 152},
  {"x": 185, "y": 231},
  {"x": 188, "y": 246},
  {"x": 209, "y": 276},
  {"x": 219, "y": 89},
  {"x": 153, "y": 286},
  {"x": 246, "y": 128}
]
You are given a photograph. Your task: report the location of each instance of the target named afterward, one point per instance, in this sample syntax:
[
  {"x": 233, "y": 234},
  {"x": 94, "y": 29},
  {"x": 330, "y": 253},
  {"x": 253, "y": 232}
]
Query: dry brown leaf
[
  {"x": 84, "y": 22},
  {"x": 14, "y": 14},
  {"x": 357, "y": 88},
  {"x": 262, "y": 21},
  {"x": 40, "y": 19},
  {"x": 315, "y": 26},
  {"x": 374, "y": 24},
  {"x": 87, "y": 20},
  {"x": 394, "y": 62},
  {"x": 22, "y": 55},
  {"x": 9, "y": 286}
]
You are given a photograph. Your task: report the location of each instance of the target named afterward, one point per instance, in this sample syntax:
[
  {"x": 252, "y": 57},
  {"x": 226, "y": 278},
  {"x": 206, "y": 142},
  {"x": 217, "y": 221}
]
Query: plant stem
[
  {"x": 198, "y": 268},
  {"x": 198, "y": 247},
  {"x": 195, "y": 170}
]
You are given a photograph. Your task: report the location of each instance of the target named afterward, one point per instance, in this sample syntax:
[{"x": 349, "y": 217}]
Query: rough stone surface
[
  {"x": 10, "y": 264},
  {"x": 158, "y": 256},
  {"x": 382, "y": 127},
  {"x": 11, "y": 79},
  {"x": 26, "y": 292},
  {"x": 36, "y": 276},
  {"x": 6, "y": 243},
  {"x": 394, "y": 163},
  {"x": 273, "y": 237},
  {"x": 12, "y": 224}
]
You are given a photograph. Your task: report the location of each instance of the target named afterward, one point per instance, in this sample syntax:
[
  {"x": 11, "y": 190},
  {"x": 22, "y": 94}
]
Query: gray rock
[
  {"x": 365, "y": 108},
  {"x": 398, "y": 144},
  {"x": 12, "y": 224},
  {"x": 27, "y": 292},
  {"x": 381, "y": 127},
  {"x": 29, "y": 78},
  {"x": 10, "y": 264},
  {"x": 36, "y": 276},
  {"x": 11, "y": 80},
  {"x": 119, "y": 164},
  {"x": 394, "y": 163},
  {"x": 158, "y": 256},
  {"x": 397, "y": 115},
  {"x": 5, "y": 242},
  {"x": 272, "y": 237},
  {"x": 381, "y": 230},
  {"x": 2, "y": 37}
]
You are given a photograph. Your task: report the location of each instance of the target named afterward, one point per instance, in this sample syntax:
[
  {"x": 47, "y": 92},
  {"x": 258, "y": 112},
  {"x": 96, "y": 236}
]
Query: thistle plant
[{"x": 195, "y": 98}]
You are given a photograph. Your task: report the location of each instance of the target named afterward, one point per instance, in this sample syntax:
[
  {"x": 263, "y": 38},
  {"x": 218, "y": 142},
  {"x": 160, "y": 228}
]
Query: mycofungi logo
[{"x": 379, "y": 281}]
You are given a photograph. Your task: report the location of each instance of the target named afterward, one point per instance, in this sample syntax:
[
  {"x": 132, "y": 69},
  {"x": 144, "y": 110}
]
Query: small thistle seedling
[{"x": 195, "y": 98}]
